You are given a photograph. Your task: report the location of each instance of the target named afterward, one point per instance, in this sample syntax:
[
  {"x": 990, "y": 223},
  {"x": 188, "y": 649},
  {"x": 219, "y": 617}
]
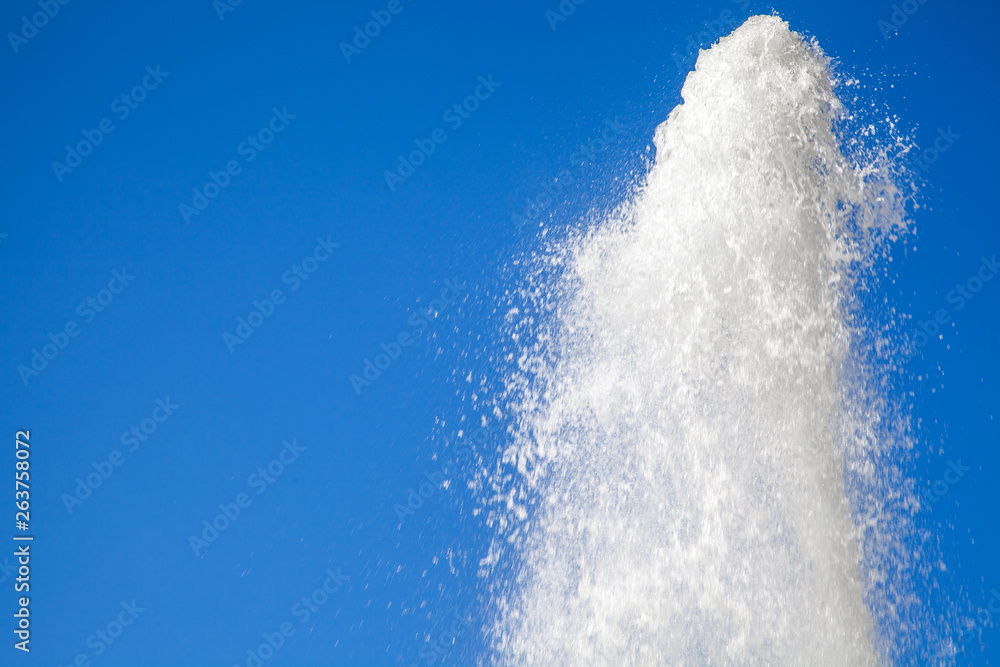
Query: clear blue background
[{"x": 323, "y": 175}]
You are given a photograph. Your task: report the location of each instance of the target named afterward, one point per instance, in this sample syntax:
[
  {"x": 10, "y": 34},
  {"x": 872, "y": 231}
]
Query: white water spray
[{"x": 683, "y": 429}]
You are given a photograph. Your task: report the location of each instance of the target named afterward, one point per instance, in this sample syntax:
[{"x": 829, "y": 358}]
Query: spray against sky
[{"x": 699, "y": 473}]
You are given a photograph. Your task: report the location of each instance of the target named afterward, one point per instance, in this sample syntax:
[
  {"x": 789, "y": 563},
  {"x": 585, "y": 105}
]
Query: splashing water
[{"x": 685, "y": 434}]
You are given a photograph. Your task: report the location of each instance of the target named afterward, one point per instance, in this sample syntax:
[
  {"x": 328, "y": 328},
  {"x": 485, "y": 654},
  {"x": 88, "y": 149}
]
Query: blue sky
[{"x": 341, "y": 266}]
